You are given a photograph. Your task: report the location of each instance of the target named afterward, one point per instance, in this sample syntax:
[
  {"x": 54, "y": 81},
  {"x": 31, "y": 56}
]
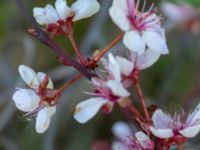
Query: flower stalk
[
  {"x": 141, "y": 98},
  {"x": 77, "y": 50},
  {"x": 107, "y": 48},
  {"x": 66, "y": 85}
]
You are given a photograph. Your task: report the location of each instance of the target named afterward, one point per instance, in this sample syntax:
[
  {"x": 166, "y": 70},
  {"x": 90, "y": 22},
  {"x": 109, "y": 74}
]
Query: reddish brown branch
[
  {"x": 141, "y": 98},
  {"x": 107, "y": 48}
]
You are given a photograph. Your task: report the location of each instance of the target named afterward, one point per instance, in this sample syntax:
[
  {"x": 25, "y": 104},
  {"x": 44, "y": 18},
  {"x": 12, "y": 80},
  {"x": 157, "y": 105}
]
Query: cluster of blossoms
[
  {"x": 144, "y": 38},
  {"x": 60, "y": 19}
]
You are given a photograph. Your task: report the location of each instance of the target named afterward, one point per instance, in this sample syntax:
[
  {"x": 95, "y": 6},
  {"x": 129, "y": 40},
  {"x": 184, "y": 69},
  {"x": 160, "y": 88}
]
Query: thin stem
[
  {"x": 141, "y": 98},
  {"x": 76, "y": 78},
  {"x": 76, "y": 49},
  {"x": 107, "y": 48},
  {"x": 132, "y": 108}
]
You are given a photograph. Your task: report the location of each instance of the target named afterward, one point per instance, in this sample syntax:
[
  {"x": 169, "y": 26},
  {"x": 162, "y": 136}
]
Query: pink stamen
[
  {"x": 144, "y": 5},
  {"x": 138, "y": 19}
]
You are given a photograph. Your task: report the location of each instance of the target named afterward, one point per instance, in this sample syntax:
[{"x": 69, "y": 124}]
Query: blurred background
[{"x": 172, "y": 83}]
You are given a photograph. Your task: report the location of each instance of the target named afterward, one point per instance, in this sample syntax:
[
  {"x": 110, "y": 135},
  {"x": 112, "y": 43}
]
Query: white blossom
[
  {"x": 166, "y": 126},
  {"x": 142, "y": 29},
  {"x": 29, "y": 101},
  {"x": 106, "y": 92},
  {"x": 79, "y": 10}
]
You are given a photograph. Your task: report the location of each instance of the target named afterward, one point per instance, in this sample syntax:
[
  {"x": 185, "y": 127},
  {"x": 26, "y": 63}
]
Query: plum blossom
[
  {"x": 142, "y": 28},
  {"x": 130, "y": 68},
  {"x": 38, "y": 100},
  {"x": 57, "y": 17},
  {"x": 127, "y": 140},
  {"x": 137, "y": 62},
  {"x": 108, "y": 91},
  {"x": 165, "y": 126}
]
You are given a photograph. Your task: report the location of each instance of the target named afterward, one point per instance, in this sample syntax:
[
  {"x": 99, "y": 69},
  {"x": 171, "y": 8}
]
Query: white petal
[
  {"x": 40, "y": 15},
  {"x": 155, "y": 42},
  {"x": 121, "y": 130},
  {"x": 160, "y": 119},
  {"x": 119, "y": 146},
  {"x": 26, "y": 100},
  {"x": 121, "y": 5},
  {"x": 151, "y": 17},
  {"x": 118, "y": 13},
  {"x": 114, "y": 67},
  {"x": 194, "y": 118},
  {"x": 191, "y": 131},
  {"x": 143, "y": 139},
  {"x": 117, "y": 88},
  {"x": 147, "y": 59},
  {"x": 133, "y": 41},
  {"x": 62, "y": 9},
  {"x": 43, "y": 119},
  {"x": 51, "y": 110},
  {"x": 51, "y": 14},
  {"x": 85, "y": 8},
  {"x": 97, "y": 82},
  {"x": 162, "y": 133},
  {"x": 126, "y": 66},
  {"x": 29, "y": 76},
  {"x": 88, "y": 109},
  {"x": 41, "y": 77}
]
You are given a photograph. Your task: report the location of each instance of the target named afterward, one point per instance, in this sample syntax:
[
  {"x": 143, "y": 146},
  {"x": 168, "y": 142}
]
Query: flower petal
[
  {"x": 26, "y": 100},
  {"x": 160, "y": 119},
  {"x": 29, "y": 76},
  {"x": 126, "y": 66},
  {"x": 51, "y": 14},
  {"x": 41, "y": 76},
  {"x": 190, "y": 131},
  {"x": 144, "y": 140},
  {"x": 155, "y": 42},
  {"x": 194, "y": 117},
  {"x": 62, "y": 9},
  {"x": 88, "y": 109},
  {"x": 40, "y": 15},
  {"x": 114, "y": 67},
  {"x": 162, "y": 133},
  {"x": 43, "y": 119},
  {"x": 85, "y": 8},
  {"x": 121, "y": 130},
  {"x": 119, "y": 12},
  {"x": 134, "y": 42},
  {"x": 119, "y": 146},
  {"x": 147, "y": 59},
  {"x": 117, "y": 88}
]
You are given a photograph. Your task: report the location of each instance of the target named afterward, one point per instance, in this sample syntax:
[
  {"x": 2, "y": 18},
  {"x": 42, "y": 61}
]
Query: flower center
[
  {"x": 107, "y": 94},
  {"x": 141, "y": 20},
  {"x": 61, "y": 27}
]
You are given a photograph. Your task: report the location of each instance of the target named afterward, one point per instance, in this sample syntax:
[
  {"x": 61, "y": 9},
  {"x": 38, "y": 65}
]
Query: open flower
[
  {"x": 137, "y": 62},
  {"x": 142, "y": 28},
  {"x": 39, "y": 100},
  {"x": 58, "y": 17},
  {"x": 129, "y": 68},
  {"x": 165, "y": 126},
  {"x": 128, "y": 140},
  {"x": 108, "y": 91}
]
